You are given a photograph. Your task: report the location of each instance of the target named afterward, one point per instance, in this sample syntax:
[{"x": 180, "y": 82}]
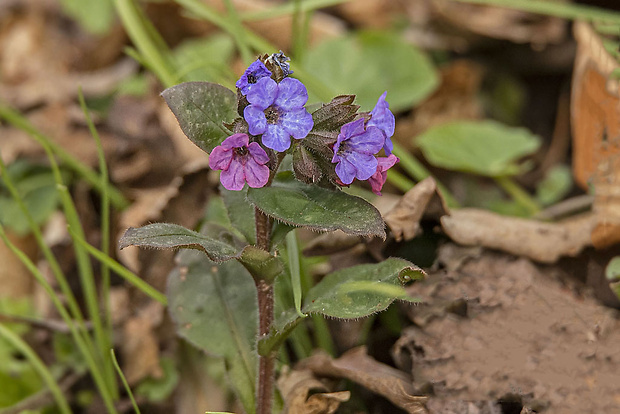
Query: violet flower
[
  {"x": 354, "y": 151},
  {"x": 240, "y": 163},
  {"x": 377, "y": 180},
  {"x": 277, "y": 111},
  {"x": 383, "y": 119},
  {"x": 256, "y": 71}
]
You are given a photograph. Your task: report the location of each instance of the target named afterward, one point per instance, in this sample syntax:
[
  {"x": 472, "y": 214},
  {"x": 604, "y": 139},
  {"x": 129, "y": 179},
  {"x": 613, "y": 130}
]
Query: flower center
[
  {"x": 272, "y": 114},
  {"x": 241, "y": 151},
  {"x": 252, "y": 78}
]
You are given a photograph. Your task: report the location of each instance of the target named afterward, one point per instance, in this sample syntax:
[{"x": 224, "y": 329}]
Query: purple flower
[
  {"x": 354, "y": 151},
  {"x": 277, "y": 111},
  {"x": 383, "y": 119},
  {"x": 377, "y": 180},
  {"x": 252, "y": 74},
  {"x": 240, "y": 163}
]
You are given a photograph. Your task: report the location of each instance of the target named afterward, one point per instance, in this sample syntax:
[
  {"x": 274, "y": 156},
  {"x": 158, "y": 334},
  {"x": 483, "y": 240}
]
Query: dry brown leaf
[
  {"x": 595, "y": 105},
  {"x": 606, "y": 204},
  {"x": 525, "y": 335},
  {"x": 295, "y": 387},
  {"x": 404, "y": 218},
  {"x": 540, "y": 241},
  {"x": 371, "y": 13},
  {"x": 140, "y": 345},
  {"x": 16, "y": 281},
  {"x": 357, "y": 366}
]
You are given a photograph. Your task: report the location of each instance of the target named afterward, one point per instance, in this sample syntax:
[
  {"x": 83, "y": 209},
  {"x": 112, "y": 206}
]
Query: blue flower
[
  {"x": 355, "y": 150},
  {"x": 383, "y": 119},
  {"x": 277, "y": 111},
  {"x": 252, "y": 74}
]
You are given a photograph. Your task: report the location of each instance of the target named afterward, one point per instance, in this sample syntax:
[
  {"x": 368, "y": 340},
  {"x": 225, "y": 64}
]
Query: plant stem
[
  {"x": 518, "y": 194},
  {"x": 264, "y": 291}
]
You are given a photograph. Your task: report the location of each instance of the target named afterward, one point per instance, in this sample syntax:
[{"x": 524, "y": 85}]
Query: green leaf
[
  {"x": 354, "y": 292},
  {"x": 205, "y": 58},
  {"x": 260, "y": 263},
  {"x": 240, "y": 212},
  {"x": 317, "y": 208},
  {"x": 368, "y": 63},
  {"x": 612, "y": 271},
  {"x": 201, "y": 109},
  {"x": 557, "y": 183},
  {"x": 484, "y": 147},
  {"x": 340, "y": 294},
  {"x": 219, "y": 245},
  {"x": 215, "y": 308},
  {"x": 96, "y": 16}
]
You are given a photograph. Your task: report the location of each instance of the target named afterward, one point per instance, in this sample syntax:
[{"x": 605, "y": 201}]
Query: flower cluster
[
  {"x": 359, "y": 142},
  {"x": 273, "y": 108}
]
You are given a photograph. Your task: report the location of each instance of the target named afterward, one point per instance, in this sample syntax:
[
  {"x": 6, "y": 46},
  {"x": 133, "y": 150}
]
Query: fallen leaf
[
  {"x": 299, "y": 388},
  {"x": 404, "y": 218},
  {"x": 540, "y": 241},
  {"x": 357, "y": 366}
]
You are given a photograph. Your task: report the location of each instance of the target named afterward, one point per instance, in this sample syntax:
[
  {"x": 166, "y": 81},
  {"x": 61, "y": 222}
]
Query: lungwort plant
[{"x": 224, "y": 302}]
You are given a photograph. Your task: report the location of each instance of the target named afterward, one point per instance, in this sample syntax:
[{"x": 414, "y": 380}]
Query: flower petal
[
  {"x": 377, "y": 180},
  {"x": 382, "y": 117},
  {"x": 388, "y": 146},
  {"x": 385, "y": 163},
  {"x": 292, "y": 94},
  {"x": 276, "y": 138},
  {"x": 345, "y": 171},
  {"x": 352, "y": 128},
  {"x": 263, "y": 93},
  {"x": 233, "y": 178},
  {"x": 220, "y": 158},
  {"x": 256, "y": 175},
  {"x": 297, "y": 122},
  {"x": 369, "y": 142},
  {"x": 365, "y": 164},
  {"x": 252, "y": 74},
  {"x": 258, "y": 153},
  {"x": 235, "y": 141},
  {"x": 255, "y": 117}
]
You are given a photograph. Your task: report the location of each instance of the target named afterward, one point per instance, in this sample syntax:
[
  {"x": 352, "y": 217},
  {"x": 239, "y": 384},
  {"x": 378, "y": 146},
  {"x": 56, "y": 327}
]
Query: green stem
[
  {"x": 518, "y": 194},
  {"x": 105, "y": 232},
  {"x": 18, "y": 121},
  {"x": 147, "y": 40},
  {"x": 125, "y": 383},
  {"x": 552, "y": 8},
  {"x": 122, "y": 271},
  {"x": 419, "y": 172},
  {"x": 78, "y": 338},
  {"x": 398, "y": 180},
  {"x": 39, "y": 366},
  {"x": 238, "y": 33}
]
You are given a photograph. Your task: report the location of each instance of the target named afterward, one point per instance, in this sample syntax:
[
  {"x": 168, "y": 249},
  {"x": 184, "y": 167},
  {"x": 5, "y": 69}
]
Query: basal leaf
[
  {"x": 215, "y": 308},
  {"x": 317, "y": 208},
  {"x": 368, "y": 63},
  {"x": 479, "y": 147},
  {"x": 220, "y": 245},
  {"x": 202, "y": 108}
]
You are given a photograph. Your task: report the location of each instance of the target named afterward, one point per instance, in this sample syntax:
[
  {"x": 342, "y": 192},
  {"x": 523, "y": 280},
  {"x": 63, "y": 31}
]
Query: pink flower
[
  {"x": 378, "y": 178},
  {"x": 240, "y": 163}
]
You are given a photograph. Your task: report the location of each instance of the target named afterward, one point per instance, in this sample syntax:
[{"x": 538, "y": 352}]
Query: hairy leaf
[
  {"x": 215, "y": 308},
  {"x": 202, "y": 108},
  {"x": 219, "y": 244},
  {"x": 317, "y": 208}
]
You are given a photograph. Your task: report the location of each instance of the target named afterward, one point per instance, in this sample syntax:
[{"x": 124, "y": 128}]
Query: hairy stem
[{"x": 264, "y": 290}]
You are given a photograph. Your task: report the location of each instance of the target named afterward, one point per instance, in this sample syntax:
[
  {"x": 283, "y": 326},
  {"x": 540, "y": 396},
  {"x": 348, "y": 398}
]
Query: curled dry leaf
[
  {"x": 404, "y": 218},
  {"x": 542, "y": 242},
  {"x": 296, "y": 385},
  {"x": 357, "y": 366}
]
